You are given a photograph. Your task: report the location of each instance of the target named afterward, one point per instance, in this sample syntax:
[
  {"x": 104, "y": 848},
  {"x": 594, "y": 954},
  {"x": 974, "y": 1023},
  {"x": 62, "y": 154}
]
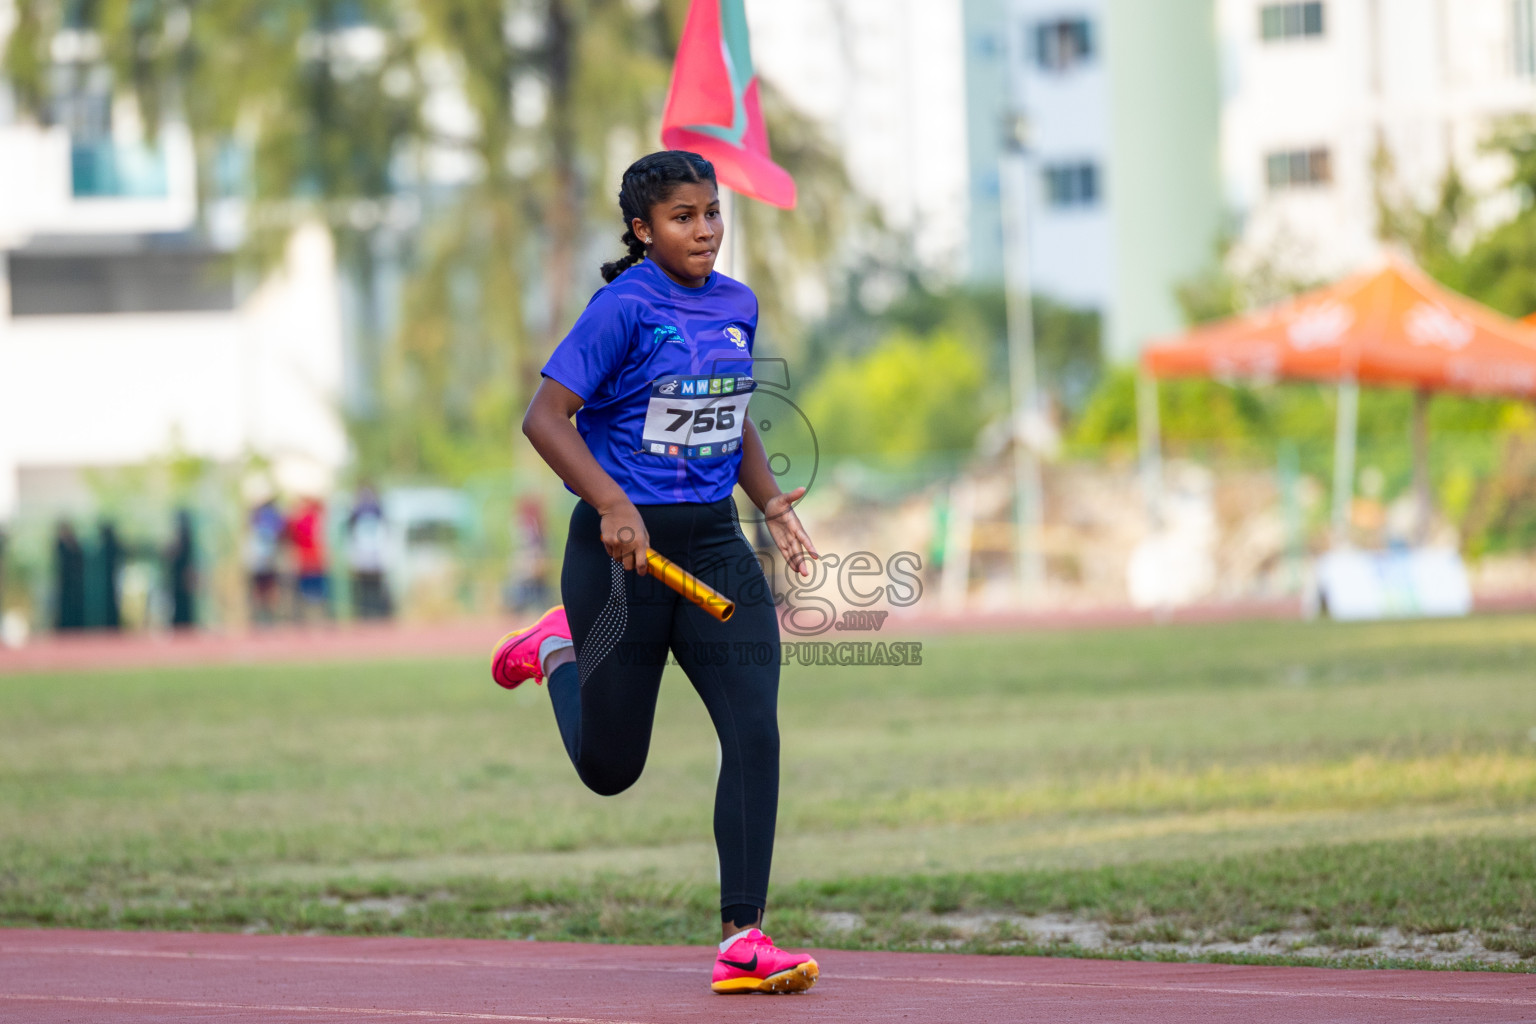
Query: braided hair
[{"x": 650, "y": 180}]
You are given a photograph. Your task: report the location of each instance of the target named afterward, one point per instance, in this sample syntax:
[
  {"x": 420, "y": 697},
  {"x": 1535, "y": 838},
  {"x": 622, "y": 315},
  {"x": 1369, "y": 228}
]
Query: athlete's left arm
[{"x": 777, "y": 506}]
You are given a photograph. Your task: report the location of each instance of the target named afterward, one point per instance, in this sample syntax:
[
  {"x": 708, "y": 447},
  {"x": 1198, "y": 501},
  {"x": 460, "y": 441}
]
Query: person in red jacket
[{"x": 306, "y": 533}]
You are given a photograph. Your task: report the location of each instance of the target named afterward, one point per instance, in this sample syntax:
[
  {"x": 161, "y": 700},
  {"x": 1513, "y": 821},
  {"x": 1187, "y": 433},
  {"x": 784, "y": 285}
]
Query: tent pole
[
  {"x": 1421, "y": 494},
  {"x": 1150, "y": 438},
  {"x": 1344, "y": 458}
]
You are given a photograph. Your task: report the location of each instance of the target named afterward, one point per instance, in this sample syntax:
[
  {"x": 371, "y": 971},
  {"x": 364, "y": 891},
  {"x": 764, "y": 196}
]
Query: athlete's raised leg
[{"x": 605, "y": 701}]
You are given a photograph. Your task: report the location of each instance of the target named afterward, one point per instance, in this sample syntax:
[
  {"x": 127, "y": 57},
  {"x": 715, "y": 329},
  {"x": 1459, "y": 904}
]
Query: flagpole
[
  {"x": 732, "y": 254},
  {"x": 1029, "y": 562}
]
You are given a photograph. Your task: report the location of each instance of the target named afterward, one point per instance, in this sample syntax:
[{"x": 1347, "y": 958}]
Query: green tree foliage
[
  {"x": 1067, "y": 339},
  {"x": 1493, "y": 266},
  {"x": 1493, "y": 498},
  {"x": 909, "y": 395},
  {"x": 1244, "y": 420}
]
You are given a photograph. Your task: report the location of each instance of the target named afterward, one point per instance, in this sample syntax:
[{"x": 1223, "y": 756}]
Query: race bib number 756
[{"x": 696, "y": 417}]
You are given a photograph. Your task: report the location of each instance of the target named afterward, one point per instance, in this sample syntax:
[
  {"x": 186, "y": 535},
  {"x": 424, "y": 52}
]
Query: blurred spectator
[
  {"x": 181, "y": 560},
  {"x": 262, "y": 553},
  {"x": 109, "y": 562},
  {"x": 68, "y": 579},
  {"x": 306, "y": 532},
  {"x": 530, "y": 572},
  {"x": 366, "y": 536}
]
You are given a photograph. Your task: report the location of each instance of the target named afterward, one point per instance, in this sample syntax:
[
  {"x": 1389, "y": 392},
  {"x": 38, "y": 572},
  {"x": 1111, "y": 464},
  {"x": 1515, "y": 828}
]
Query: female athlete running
[{"x": 658, "y": 372}]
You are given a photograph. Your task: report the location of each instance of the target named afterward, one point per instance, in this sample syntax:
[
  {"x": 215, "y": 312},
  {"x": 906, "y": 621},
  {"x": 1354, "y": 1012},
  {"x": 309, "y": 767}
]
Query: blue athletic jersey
[{"x": 666, "y": 373}]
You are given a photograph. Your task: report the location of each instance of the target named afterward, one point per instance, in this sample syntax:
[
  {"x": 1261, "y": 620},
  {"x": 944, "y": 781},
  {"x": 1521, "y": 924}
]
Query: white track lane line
[
  {"x": 887, "y": 979},
  {"x": 1219, "y": 990},
  {"x": 190, "y": 1004},
  {"x": 365, "y": 961}
]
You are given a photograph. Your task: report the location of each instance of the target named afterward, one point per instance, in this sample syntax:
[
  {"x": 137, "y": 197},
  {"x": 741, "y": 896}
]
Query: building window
[
  {"x": 1062, "y": 44},
  {"x": 1071, "y": 185},
  {"x": 1298, "y": 168},
  {"x": 1290, "y": 21},
  {"x": 85, "y": 110},
  {"x": 105, "y": 170},
  {"x": 1523, "y": 36}
]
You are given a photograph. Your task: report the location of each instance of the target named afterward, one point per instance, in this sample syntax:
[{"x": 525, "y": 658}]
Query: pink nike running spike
[
  {"x": 754, "y": 964},
  {"x": 517, "y": 654}
]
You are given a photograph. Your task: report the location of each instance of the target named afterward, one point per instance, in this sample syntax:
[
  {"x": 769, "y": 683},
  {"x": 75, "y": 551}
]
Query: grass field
[{"x": 1266, "y": 792}]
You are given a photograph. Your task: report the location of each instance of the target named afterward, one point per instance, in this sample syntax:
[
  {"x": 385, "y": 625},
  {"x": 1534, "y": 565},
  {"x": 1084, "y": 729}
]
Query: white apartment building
[
  {"x": 1105, "y": 111},
  {"x": 1312, "y": 91},
  {"x": 887, "y": 79},
  {"x": 124, "y": 337},
  {"x": 1150, "y": 131}
]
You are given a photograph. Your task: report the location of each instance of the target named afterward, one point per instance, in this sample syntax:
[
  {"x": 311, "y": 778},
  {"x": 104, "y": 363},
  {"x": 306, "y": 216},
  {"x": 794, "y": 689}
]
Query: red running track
[
  {"x": 365, "y": 641},
  {"x": 84, "y": 977}
]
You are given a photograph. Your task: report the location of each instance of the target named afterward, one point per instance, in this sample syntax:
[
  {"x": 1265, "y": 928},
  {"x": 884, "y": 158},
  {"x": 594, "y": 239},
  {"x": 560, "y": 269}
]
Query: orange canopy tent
[{"x": 1391, "y": 326}]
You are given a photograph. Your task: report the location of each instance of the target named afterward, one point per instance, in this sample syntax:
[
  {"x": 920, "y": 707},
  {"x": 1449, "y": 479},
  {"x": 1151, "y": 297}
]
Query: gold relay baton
[{"x": 690, "y": 586}]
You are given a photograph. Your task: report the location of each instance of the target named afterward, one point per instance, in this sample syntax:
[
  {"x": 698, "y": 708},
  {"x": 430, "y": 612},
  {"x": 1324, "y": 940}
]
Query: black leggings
[{"x": 624, "y": 624}]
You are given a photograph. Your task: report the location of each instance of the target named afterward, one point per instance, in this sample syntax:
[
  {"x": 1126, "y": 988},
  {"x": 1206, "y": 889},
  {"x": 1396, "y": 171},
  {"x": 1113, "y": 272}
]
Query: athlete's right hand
[{"x": 625, "y": 536}]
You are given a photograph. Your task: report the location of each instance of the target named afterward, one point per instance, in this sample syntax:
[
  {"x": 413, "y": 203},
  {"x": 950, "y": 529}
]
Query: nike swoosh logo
[{"x": 749, "y": 966}]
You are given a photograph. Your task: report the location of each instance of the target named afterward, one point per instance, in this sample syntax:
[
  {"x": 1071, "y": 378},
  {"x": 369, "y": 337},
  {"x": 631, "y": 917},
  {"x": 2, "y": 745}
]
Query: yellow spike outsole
[{"x": 796, "y": 979}]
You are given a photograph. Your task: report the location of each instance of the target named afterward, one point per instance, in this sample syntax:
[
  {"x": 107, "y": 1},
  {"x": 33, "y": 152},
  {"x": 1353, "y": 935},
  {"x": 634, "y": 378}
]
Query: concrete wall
[
  {"x": 886, "y": 79},
  {"x": 123, "y": 389}
]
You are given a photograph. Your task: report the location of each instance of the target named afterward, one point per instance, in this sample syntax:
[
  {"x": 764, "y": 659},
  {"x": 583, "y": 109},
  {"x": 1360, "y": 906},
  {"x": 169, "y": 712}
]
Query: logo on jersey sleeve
[
  {"x": 736, "y": 336},
  {"x": 667, "y": 334}
]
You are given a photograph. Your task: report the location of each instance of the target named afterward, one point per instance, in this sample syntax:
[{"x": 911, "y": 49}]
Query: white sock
[
  {"x": 550, "y": 645},
  {"x": 726, "y": 944}
]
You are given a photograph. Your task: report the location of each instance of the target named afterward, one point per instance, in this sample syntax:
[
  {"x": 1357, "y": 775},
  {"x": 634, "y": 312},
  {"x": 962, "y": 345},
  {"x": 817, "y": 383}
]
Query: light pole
[{"x": 1012, "y": 167}]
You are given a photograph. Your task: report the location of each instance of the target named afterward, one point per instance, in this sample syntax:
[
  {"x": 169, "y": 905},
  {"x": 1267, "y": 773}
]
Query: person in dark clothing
[
  {"x": 109, "y": 562},
  {"x": 367, "y": 539},
  {"x": 182, "y": 562},
  {"x": 68, "y": 580}
]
